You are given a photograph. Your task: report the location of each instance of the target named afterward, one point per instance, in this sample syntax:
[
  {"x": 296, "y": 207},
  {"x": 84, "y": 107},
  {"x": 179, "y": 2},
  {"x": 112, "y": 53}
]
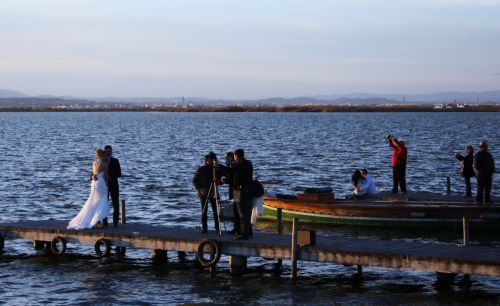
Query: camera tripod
[{"x": 215, "y": 190}]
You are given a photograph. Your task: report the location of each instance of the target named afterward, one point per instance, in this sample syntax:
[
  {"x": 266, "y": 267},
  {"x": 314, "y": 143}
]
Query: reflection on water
[{"x": 45, "y": 165}]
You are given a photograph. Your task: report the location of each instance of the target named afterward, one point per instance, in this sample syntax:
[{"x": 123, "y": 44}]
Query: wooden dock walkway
[{"x": 472, "y": 260}]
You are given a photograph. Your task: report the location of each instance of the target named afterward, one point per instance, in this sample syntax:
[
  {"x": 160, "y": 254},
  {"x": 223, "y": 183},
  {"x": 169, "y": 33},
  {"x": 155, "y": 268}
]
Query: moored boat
[{"x": 408, "y": 211}]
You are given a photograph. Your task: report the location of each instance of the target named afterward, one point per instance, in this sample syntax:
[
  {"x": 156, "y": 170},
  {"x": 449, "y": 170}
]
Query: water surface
[{"x": 46, "y": 161}]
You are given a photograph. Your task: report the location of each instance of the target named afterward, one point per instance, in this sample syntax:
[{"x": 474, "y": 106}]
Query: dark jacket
[
  {"x": 484, "y": 164},
  {"x": 114, "y": 172},
  {"x": 227, "y": 175},
  {"x": 203, "y": 178},
  {"x": 467, "y": 162},
  {"x": 243, "y": 174}
]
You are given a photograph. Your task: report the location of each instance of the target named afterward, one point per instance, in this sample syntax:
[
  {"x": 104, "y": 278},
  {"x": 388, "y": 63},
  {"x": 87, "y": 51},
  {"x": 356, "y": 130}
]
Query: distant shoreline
[{"x": 262, "y": 108}]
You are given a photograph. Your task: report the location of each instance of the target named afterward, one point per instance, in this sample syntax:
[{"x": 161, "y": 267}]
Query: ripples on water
[{"x": 45, "y": 167}]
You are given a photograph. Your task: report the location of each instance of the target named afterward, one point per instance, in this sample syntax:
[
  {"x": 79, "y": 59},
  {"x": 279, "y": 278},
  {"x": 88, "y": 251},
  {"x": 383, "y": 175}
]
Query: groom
[{"x": 114, "y": 172}]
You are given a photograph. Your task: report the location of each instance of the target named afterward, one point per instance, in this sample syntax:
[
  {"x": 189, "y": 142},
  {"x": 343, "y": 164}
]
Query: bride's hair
[{"x": 99, "y": 153}]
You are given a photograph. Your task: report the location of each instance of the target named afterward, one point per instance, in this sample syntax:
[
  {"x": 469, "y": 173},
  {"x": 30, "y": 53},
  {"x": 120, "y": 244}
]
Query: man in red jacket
[{"x": 398, "y": 164}]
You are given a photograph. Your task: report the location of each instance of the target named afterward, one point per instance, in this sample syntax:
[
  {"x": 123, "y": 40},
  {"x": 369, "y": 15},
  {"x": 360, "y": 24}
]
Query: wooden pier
[{"x": 471, "y": 260}]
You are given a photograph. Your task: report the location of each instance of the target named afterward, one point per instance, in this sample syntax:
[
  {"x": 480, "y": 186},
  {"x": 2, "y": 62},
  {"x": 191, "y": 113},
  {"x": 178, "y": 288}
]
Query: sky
[{"x": 234, "y": 49}]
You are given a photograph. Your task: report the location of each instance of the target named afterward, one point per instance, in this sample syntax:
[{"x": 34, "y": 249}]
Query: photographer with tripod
[{"x": 205, "y": 180}]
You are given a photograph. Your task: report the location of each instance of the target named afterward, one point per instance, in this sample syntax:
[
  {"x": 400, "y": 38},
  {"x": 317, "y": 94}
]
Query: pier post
[
  {"x": 279, "y": 220},
  {"x": 160, "y": 256},
  {"x": 38, "y": 244},
  {"x": 122, "y": 212},
  {"x": 444, "y": 280},
  {"x": 1, "y": 244},
  {"x": 295, "y": 248},
  {"x": 279, "y": 227},
  {"x": 181, "y": 255},
  {"x": 121, "y": 251},
  {"x": 237, "y": 264},
  {"x": 448, "y": 186},
  {"x": 466, "y": 230},
  {"x": 360, "y": 270}
]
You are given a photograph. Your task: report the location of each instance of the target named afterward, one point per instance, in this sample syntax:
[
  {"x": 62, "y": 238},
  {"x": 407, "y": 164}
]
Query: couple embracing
[
  {"x": 363, "y": 184},
  {"x": 104, "y": 181}
]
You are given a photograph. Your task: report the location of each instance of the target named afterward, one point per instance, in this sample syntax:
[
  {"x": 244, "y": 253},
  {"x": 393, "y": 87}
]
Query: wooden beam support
[
  {"x": 38, "y": 244},
  {"x": 295, "y": 248},
  {"x": 279, "y": 228},
  {"x": 160, "y": 256},
  {"x": 237, "y": 264},
  {"x": 465, "y": 223}
]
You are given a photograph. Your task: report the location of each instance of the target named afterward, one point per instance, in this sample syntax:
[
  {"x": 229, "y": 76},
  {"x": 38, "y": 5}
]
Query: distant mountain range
[{"x": 11, "y": 97}]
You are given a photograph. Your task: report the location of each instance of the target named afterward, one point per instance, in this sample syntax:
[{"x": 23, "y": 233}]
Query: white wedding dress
[{"x": 95, "y": 208}]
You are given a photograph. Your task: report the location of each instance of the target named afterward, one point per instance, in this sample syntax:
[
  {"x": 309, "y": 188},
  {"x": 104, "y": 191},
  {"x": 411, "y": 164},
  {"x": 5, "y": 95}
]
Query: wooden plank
[{"x": 332, "y": 249}]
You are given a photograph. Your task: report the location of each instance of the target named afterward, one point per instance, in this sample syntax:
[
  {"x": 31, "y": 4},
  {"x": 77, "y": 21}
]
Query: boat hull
[{"x": 390, "y": 215}]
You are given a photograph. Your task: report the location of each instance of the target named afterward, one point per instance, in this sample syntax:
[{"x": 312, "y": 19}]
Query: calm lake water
[{"x": 46, "y": 159}]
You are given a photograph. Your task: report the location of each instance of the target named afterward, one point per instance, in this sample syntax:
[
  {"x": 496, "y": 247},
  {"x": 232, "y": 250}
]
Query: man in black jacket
[
  {"x": 114, "y": 172},
  {"x": 243, "y": 194},
  {"x": 484, "y": 165}
]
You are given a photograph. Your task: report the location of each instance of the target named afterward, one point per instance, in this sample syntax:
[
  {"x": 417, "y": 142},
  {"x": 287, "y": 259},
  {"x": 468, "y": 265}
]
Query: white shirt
[{"x": 367, "y": 186}]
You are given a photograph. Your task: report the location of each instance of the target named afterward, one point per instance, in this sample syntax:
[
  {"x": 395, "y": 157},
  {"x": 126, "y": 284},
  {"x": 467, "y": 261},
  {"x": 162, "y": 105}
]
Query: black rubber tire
[
  {"x": 107, "y": 247},
  {"x": 214, "y": 253},
  {"x": 54, "y": 245}
]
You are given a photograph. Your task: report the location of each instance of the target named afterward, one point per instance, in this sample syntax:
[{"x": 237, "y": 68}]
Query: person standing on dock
[
  {"x": 202, "y": 181},
  {"x": 398, "y": 161},
  {"x": 229, "y": 179},
  {"x": 484, "y": 166},
  {"x": 96, "y": 208},
  {"x": 115, "y": 172},
  {"x": 466, "y": 170},
  {"x": 243, "y": 194}
]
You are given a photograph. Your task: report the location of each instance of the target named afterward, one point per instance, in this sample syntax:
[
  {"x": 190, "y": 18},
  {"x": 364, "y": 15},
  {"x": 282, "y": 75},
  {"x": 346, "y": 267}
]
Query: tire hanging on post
[
  {"x": 107, "y": 247},
  {"x": 214, "y": 250},
  {"x": 55, "y": 248}
]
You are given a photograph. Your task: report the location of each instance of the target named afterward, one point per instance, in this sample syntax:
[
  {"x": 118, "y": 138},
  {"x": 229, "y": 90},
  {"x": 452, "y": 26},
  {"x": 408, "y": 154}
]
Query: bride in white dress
[{"x": 96, "y": 207}]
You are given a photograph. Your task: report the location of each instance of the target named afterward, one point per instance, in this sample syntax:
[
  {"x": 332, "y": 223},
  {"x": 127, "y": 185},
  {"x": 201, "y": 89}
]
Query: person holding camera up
[
  {"x": 466, "y": 170},
  {"x": 243, "y": 194},
  {"x": 398, "y": 161},
  {"x": 202, "y": 180}
]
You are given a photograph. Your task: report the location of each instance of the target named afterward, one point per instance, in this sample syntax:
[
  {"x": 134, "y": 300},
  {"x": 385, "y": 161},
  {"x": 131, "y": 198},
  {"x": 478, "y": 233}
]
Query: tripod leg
[
  {"x": 204, "y": 211},
  {"x": 217, "y": 203}
]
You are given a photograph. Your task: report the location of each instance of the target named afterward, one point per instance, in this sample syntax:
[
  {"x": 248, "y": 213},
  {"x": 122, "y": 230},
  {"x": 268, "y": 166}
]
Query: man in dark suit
[
  {"x": 484, "y": 166},
  {"x": 243, "y": 194},
  {"x": 114, "y": 172}
]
